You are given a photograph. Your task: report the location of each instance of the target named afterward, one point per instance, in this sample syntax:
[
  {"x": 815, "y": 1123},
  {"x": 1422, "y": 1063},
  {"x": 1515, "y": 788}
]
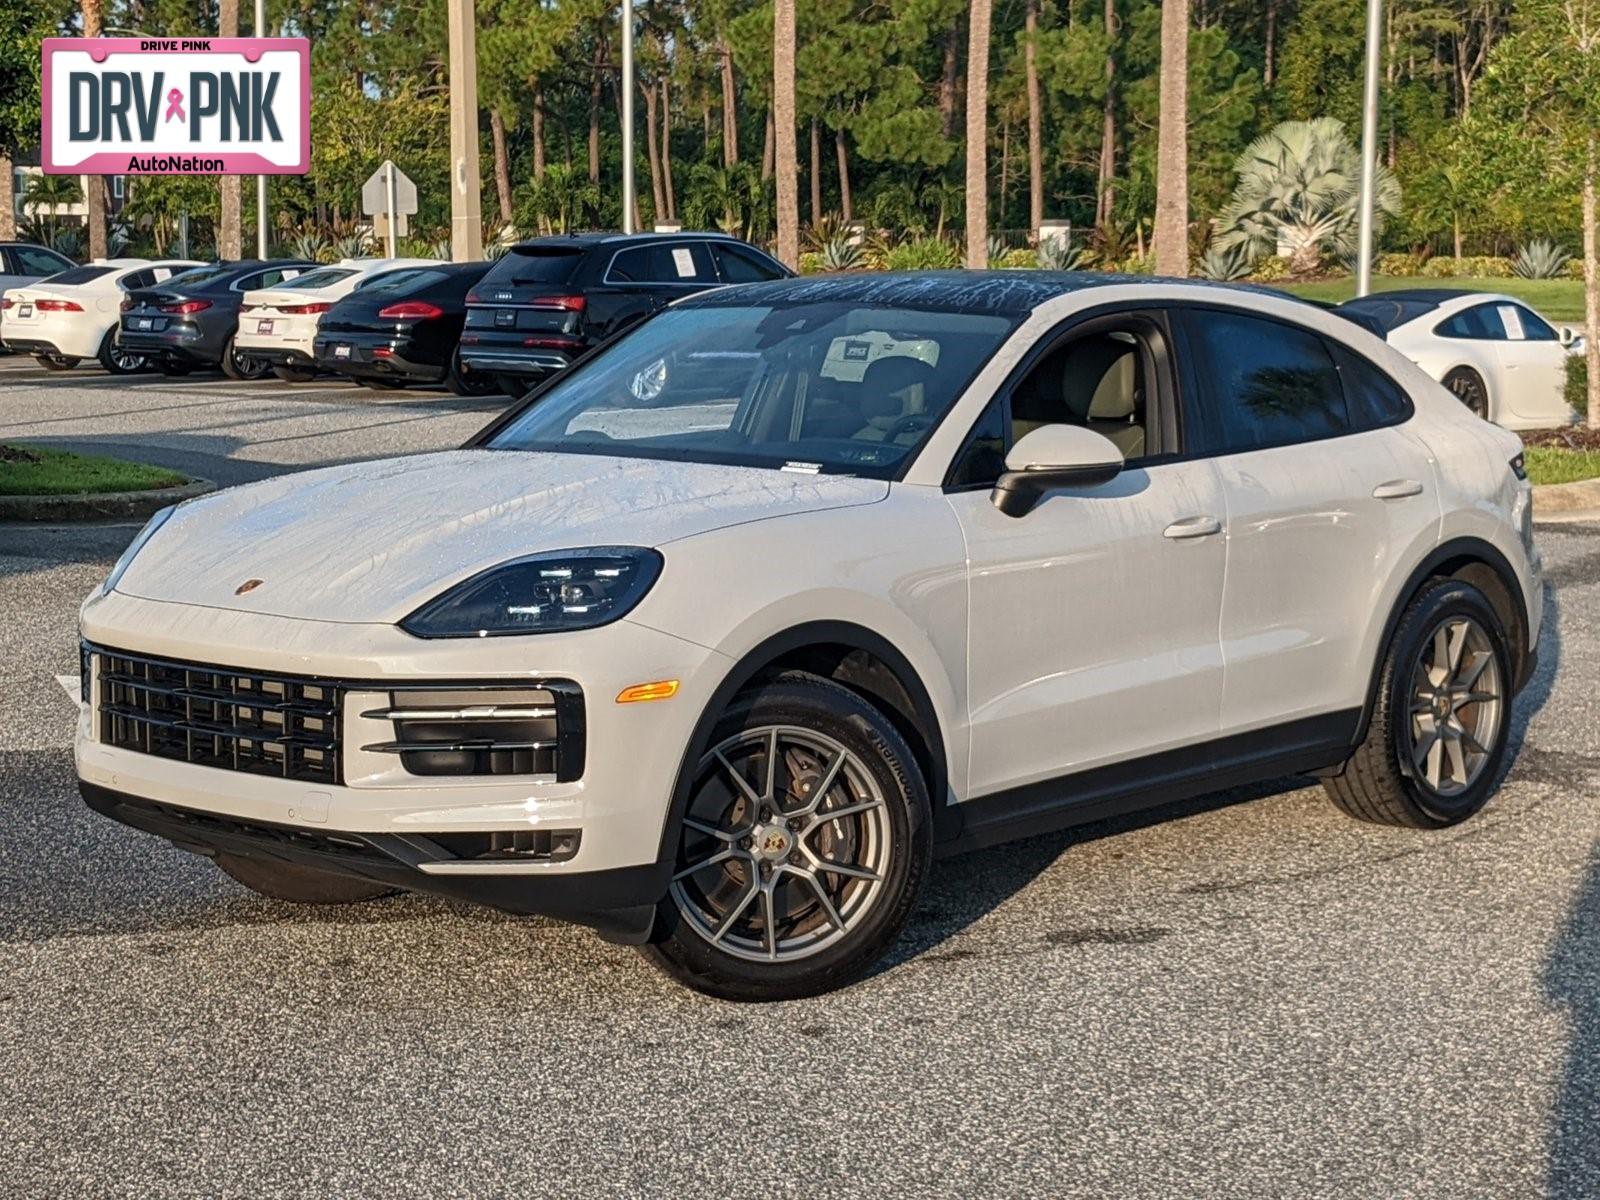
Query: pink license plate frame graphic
[{"x": 169, "y": 160}]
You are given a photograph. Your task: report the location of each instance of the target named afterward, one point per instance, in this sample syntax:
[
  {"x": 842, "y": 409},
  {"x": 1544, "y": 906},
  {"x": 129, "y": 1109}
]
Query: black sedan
[
  {"x": 404, "y": 327},
  {"x": 550, "y": 299},
  {"x": 189, "y": 321}
]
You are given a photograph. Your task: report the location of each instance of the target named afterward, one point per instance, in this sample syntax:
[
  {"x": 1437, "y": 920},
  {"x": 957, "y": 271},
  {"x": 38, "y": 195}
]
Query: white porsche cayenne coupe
[
  {"x": 713, "y": 642},
  {"x": 1500, "y": 358}
]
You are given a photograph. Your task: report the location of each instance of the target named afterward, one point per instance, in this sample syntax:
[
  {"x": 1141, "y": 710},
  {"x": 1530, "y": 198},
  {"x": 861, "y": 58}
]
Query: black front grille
[{"x": 265, "y": 724}]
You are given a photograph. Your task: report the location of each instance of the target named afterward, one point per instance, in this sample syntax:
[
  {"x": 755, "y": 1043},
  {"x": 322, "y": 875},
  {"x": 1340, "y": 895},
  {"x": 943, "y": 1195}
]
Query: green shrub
[
  {"x": 1541, "y": 259},
  {"x": 1270, "y": 269},
  {"x": 1477, "y": 266},
  {"x": 1577, "y": 389},
  {"x": 1138, "y": 264},
  {"x": 1023, "y": 257},
  {"x": 922, "y": 254},
  {"x": 1575, "y": 268},
  {"x": 1406, "y": 263},
  {"x": 811, "y": 263}
]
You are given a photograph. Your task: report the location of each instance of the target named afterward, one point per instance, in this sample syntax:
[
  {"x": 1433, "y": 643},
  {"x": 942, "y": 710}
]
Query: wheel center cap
[{"x": 772, "y": 842}]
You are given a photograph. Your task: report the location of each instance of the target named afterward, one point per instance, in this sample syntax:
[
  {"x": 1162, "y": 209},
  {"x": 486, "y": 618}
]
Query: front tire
[
  {"x": 805, "y": 844},
  {"x": 299, "y": 885},
  {"x": 1441, "y": 716},
  {"x": 462, "y": 382},
  {"x": 1468, "y": 387}
]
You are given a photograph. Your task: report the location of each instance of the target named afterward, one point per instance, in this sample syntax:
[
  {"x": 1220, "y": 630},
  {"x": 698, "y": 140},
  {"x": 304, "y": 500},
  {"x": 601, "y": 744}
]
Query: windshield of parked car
[{"x": 841, "y": 388}]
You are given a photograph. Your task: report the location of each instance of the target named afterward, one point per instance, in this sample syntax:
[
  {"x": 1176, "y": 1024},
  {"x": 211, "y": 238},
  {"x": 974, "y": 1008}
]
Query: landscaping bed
[{"x": 36, "y": 471}]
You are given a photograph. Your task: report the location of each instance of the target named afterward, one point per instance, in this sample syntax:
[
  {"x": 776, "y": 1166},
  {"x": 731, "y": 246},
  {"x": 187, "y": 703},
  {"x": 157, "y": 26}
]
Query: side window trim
[{"x": 1163, "y": 420}]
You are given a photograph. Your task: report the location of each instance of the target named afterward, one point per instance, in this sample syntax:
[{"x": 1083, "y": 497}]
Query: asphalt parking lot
[{"x": 1247, "y": 995}]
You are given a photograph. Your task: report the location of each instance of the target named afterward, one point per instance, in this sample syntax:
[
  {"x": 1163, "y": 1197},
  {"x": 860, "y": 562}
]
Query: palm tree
[
  {"x": 564, "y": 197},
  {"x": 1035, "y": 123},
  {"x": 95, "y": 201},
  {"x": 230, "y": 223},
  {"x": 978, "y": 135},
  {"x": 783, "y": 116},
  {"x": 1172, "y": 143},
  {"x": 51, "y": 193},
  {"x": 1298, "y": 190}
]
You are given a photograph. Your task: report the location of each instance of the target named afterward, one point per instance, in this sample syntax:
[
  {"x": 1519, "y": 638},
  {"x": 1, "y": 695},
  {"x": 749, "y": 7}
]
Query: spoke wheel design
[
  {"x": 1468, "y": 388},
  {"x": 786, "y": 844},
  {"x": 1457, "y": 705}
]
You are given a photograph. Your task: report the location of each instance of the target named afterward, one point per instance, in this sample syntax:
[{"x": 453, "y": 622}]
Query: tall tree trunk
[
  {"x": 978, "y": 135},
  {"x": 949, "y": 80},
  {"x": 596, "y": 91},
  {"x": 782, "y": 116},
  {"x": 1272, "y": 41},
  {"x": 8, "y": 200},
  {"x": 1591, "y": 278},
  {"x": 730, "y": 108},
  {"x": 652, "y": 102},
  {"x": 669, "y": 194},
  {"x": 1035, "y": 123},
  {"x": 1455, "y": 225},
  {"x": 94, "y": 192},
  {"x": 816, "y": 173},
  {"x": 230, "y": 223},
  {"x": 502, "y": 164},
  {"x": 1172, "y": 143},
  {"x": 538, "y": 131},
  {"x": 766, "y": 143},
  {"x": 1005, "y": 171},
  {"x": 846, "y": 208},
  {"x": 1105, "y": 190}
]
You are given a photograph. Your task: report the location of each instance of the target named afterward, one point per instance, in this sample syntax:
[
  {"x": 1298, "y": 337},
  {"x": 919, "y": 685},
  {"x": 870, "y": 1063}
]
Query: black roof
[
  {"x": 1001, "y": 293},
  {"x": 1390, "y": 310}
]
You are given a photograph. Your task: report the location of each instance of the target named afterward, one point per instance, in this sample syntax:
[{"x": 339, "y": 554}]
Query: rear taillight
[
  {"x": 127, "y": 304},
  {"x": 302, "y": 309},
  {"x": 570, "y": 303},
  {"x": 186, "y": 307},
  {"x": 59, "y": 306},
  {"x": 410, "y": 310},
  {"x": 6, "y": 302},
  {"x": 474, "y": 298}
]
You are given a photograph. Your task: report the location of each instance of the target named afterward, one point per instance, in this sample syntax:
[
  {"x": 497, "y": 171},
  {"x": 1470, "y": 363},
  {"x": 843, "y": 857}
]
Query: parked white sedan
[
  {"x": 1501, "y": 359},
  {"x": 279, "y": 324},
  {"x": 65, "y": 318},
  {"x": 711, "y": 644}
]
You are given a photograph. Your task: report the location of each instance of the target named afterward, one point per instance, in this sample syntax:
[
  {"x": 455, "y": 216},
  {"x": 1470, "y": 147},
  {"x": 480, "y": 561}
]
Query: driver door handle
[
  {"x": 1193, "y": 527},
  {"x": 1397, "y": 489}
]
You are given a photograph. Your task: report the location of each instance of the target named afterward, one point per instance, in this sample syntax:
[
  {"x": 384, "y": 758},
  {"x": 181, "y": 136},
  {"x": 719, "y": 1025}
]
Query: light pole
[
  {"x": 466, "y": 205},
  {"x": 627, "y": 117},
  {"x": 1369, "y": 149},
  {"x": 261, "y": 180}
]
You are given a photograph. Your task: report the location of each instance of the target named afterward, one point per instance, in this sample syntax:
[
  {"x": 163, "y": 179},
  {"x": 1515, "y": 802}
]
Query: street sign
[{"x": 374, "y": 200}]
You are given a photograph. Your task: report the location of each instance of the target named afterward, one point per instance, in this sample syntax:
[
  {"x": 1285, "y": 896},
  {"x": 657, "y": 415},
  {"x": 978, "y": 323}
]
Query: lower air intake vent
[{"x": 486, "y": 730}]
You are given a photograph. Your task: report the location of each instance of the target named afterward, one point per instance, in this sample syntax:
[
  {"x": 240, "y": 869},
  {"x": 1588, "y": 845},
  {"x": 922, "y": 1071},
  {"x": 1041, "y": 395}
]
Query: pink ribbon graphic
[{"x": 175, "y": 105}]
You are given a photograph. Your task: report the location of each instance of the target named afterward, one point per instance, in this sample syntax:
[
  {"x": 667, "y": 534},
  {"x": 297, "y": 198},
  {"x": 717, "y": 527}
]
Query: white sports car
[
  {"x": 1501, "y": 359},
  {"x": 65, "y": 318},
  {"x": 715, "y": 641},
  {"x": 278, "y": 325}
]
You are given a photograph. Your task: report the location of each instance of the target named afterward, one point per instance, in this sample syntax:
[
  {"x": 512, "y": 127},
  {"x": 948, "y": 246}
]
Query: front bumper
[{"x": 619, "y": 904}]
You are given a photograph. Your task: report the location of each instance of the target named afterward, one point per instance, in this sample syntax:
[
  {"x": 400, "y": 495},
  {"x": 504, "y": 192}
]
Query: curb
[
  {"x": 103, "y": 506},
  {"x": 1578, "y": 501}
]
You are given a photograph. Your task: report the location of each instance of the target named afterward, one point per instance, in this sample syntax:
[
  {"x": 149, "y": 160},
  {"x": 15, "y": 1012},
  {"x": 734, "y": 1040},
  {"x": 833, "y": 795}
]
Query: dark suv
[{"x": 550, "y": 299}]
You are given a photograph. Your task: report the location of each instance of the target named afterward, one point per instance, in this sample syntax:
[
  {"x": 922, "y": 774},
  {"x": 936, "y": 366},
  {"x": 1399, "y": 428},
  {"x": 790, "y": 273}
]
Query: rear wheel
[
  {"x": 468, "y": 383},
  {"x": 118, "y": 361},
  {"x": 804, "y": 846},
  {"x": 297, "y": 884},
  {"x": 1468, "y": 387},
  {"x": 236, "y": 364},
  {"x": 56, "y": 362},
  {"x": 1441, "y": 716},
  {"x": 295, "y": 374}
]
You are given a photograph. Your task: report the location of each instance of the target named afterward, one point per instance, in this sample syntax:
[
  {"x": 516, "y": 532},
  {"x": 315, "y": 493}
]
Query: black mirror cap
[{"x": 1016, "y": 493}]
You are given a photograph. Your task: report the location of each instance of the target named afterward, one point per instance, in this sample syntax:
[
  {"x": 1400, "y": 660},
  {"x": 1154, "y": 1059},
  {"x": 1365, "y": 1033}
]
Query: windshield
[
  {"x": 814, "y": 387},
  {"x": 312, "y": 280}
]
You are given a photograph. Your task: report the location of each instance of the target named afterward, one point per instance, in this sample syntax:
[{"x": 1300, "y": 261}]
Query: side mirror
[
  {"x": 1051, "y": 457},
  {"x": 1568, "y": 335}
]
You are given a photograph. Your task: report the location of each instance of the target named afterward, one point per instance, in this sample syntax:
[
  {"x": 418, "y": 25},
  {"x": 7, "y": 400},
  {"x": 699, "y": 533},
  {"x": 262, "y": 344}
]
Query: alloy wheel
[
  {"x": 786, "y": 845},
  {"x": 1457, "y": 706}
]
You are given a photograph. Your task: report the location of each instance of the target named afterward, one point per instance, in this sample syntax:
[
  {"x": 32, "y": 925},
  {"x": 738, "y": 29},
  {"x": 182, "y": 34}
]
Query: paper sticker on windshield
[{"x": 683, "y": 259}]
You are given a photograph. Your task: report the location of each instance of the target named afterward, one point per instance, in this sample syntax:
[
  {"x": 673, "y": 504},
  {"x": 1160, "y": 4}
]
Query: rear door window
[{"x": 1258, "y": 383}]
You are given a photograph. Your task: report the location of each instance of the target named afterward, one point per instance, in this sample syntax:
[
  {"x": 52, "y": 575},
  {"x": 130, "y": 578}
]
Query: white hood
[{"x": 372, "y": 541}]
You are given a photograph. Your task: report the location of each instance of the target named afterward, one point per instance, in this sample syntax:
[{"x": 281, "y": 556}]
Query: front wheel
[
  {"x": 1441, "y": 716},
  {"x": 1468, "y": 387},
  {"x": 299, "y": 885},
  {"x": 805, "y": 843}
]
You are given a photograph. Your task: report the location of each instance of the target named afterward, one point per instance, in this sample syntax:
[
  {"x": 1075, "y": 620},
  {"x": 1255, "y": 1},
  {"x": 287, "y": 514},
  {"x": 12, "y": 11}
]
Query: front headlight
[
  {"x": 543, "y": 593},
  {"x": 144, "y": 535}
]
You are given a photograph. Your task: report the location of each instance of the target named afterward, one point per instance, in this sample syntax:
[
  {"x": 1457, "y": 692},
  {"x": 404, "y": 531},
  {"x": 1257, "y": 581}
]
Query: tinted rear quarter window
[
  {"x": 1258, "y": 383},
  {"x": 1372, "y": 398},
  {"x": 524, "y": 265},
  {"x": 1478, "y": 322}
]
